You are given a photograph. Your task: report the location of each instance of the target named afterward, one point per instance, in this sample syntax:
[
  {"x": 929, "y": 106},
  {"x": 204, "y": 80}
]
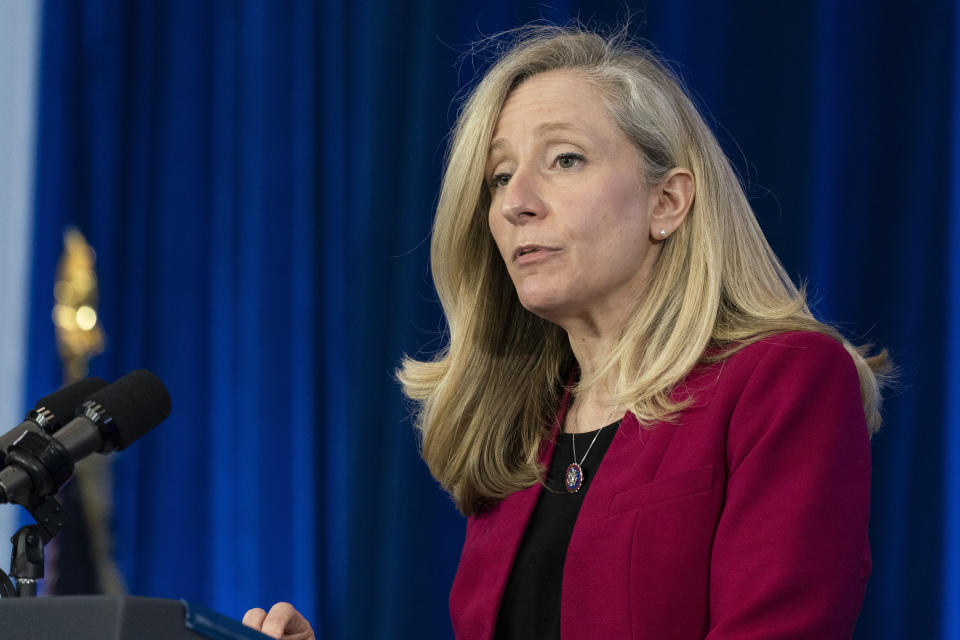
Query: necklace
[{"x": 573, "y": 476}]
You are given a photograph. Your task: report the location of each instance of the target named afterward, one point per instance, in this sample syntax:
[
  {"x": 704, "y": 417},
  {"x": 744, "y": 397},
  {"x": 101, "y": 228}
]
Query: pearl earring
[{"x": 663, "y": 233}]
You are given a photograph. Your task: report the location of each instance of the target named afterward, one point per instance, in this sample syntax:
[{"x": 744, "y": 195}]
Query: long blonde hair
[{"x": 486, "y": 401}]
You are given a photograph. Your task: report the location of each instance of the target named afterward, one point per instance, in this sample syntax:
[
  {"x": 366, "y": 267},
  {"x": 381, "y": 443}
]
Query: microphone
[
  {"x": 110, "y": 420},
  {"x": 51, "y": 412}
]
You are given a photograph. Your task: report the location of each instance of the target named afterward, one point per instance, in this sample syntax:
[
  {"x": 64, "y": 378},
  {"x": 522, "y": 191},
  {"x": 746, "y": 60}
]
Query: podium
[{"x": 115, "y": 618}]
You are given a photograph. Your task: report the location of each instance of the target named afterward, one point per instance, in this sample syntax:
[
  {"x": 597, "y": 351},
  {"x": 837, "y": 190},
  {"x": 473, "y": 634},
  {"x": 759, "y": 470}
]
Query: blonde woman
[{"x": 650, "y": 434}]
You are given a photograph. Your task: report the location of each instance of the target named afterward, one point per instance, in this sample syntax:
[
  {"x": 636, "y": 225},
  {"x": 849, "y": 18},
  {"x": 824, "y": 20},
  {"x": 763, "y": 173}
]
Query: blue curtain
[
  {"x": 258, "y": 180},
  {"x": 181, "y": 138}
]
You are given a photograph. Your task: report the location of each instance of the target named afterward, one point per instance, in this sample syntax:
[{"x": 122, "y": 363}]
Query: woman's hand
[{"x": 283, "y": 622}]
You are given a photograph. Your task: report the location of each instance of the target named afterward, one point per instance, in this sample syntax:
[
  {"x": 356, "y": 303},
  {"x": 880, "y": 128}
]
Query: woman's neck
[
  {"x": 592, "y": 340},
  {"x": 587, "y": 415},
  {"x": 594, "y": 406}
]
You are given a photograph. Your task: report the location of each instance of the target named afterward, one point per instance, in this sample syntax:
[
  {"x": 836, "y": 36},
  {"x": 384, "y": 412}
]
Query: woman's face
[{"x": 569, "y": 210}]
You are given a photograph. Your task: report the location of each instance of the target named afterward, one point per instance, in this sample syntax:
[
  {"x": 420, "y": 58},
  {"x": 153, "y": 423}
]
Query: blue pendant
[{"x": 573, "y": 478}]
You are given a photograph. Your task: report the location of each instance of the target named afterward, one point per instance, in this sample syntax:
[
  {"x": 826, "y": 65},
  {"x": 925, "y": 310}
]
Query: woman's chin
[{"x": 547, "y": 307}]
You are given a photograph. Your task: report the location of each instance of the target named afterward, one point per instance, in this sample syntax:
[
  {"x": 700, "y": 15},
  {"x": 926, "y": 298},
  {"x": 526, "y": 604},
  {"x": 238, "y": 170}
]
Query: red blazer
[{"x": 747, "y": 519}]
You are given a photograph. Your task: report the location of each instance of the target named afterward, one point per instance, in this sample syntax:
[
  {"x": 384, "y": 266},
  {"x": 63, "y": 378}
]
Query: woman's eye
[
  {"x": 499, "y": 180},
  {"x": 568, "y": 160}
]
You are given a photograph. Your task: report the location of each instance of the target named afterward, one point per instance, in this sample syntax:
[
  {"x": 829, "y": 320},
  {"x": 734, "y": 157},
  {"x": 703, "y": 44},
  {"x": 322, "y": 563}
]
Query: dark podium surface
[{"x": 115, "y": 618}]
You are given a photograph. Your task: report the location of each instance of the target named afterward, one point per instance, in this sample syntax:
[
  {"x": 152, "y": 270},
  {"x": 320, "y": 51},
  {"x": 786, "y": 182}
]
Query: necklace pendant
[{"x": 573, "y": 478}]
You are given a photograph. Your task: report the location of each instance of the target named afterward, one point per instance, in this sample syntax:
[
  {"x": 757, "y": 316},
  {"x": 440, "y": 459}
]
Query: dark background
[{"x": 258, "y": 179}]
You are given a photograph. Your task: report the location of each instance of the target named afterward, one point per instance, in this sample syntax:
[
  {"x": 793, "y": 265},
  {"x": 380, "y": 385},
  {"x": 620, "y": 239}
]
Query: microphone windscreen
[
  {"x": 63, "y": 403},
  {"x": 137, "y": 402}
]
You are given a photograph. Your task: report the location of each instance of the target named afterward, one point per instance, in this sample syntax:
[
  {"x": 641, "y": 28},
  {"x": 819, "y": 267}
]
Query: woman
[{"x": 650, "y": 433}]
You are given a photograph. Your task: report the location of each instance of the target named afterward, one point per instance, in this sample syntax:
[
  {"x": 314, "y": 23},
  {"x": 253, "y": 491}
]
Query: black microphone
[
  {"x": 111, "y": 419},
  {"x": 51, "y": 412}
]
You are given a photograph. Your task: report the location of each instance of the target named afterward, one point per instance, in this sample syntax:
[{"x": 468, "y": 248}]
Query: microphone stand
[{"x": 26, "y": 562}]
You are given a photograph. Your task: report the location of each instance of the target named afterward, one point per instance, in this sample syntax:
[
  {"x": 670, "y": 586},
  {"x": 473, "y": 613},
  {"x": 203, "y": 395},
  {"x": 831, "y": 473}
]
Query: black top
[{"x": 530, "y": 607}]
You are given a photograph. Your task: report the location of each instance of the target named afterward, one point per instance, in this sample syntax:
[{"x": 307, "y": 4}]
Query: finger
[
  {"x": 278, "y": 619},
  {"x": 254, "y": 618}
]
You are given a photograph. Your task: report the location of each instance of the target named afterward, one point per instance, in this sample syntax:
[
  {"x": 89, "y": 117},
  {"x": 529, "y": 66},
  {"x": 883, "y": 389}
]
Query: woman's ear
[{"x": 673, "y": 197}]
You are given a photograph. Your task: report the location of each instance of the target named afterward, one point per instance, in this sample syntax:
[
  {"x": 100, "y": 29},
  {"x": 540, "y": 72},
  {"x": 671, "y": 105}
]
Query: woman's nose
[{"x": 522, "y": 199}]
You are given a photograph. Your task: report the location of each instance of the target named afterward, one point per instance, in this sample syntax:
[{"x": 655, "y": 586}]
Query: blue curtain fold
[
  {"x": 950, "y": 612},
  {"x": 258, "y": 179}
]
